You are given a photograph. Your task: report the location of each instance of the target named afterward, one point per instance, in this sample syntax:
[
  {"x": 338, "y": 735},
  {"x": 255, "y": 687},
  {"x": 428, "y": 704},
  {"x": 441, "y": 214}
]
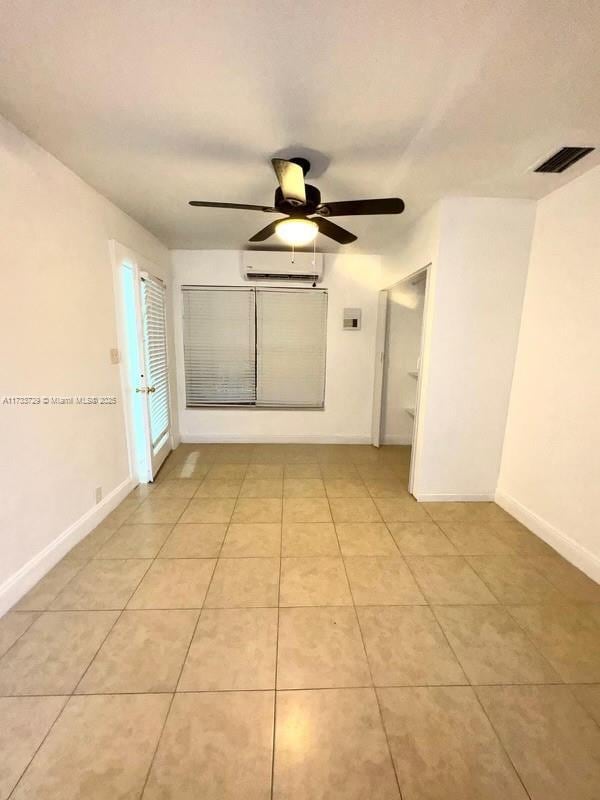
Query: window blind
[
  {"x": 155, "y": 346},
  {"x": 219, "y": 344},
  {"x": 291, "y": 347}
]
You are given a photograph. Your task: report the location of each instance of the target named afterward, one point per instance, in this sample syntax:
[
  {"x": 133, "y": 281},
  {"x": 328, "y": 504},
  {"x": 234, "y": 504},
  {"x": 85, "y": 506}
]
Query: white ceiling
[{"x": 155, "y": 103}]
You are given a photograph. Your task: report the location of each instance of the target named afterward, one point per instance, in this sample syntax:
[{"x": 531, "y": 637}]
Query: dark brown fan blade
[
  {"x": 208, "y": 204},
  {"x": 388, "y": 205},
  {"x": 334, "y": 231},
  {"x": 291, "y": 180},
  {"x": 265, "y": 232}
]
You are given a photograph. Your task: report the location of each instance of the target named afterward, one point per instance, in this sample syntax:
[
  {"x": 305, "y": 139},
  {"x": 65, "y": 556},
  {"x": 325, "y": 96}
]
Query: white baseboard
[
  {"x": 570, "y": 549},
  {"x": 424, "y": 497},
  {"x": 393, "y": 438},
  {"x": 221, "y": 438},
  {"x": 18, "y": 584}
]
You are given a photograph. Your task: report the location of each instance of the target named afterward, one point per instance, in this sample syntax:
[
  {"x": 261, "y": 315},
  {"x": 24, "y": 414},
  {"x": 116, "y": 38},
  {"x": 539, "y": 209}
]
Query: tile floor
[{"x": 287, "y": 622}]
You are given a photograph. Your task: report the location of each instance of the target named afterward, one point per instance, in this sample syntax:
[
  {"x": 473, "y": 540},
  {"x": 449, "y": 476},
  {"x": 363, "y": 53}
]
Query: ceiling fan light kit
[{"x": 306, "y": 215}]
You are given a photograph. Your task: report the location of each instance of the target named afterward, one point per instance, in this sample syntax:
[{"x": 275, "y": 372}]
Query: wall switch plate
[
  {"x": 98, "y": 494},
  {"x": 351, "y": 319},
  {"x": 115, "y": 355}
]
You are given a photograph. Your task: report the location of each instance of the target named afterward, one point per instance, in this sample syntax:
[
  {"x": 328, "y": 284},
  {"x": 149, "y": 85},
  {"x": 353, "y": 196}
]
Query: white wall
[
  {"x": 550, "y": 475},
  {"x": 57, "y": 327},
  {"x": 479, "y": 249},
  {"x": 351, "y": 280}
]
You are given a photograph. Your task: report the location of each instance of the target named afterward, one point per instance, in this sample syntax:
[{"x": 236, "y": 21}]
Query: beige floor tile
[
  {"x": 101, "y": 748},
  {"x": 401, "y": 509},
  {"x": 314, "y": 581},
  {"x": 306, "y": 509},
  {"x": 236, "y": 472},
  {"x": 52, "y": 655},
  {"x": 101, "y": 585},
  {"x": 89, "y": 546},
  {"x": 522, "y": 541},
  {"x": 347, "y": 509},
  {"x": 421, "y": 539},
  {"x": 379, "y": 581},
  {"x": 122, "y": 512},
  {"x": 444, "y": 747},
  {"x": 406, "y": 647},
  {"x": 589, "y": 698},
  {"x": 261, "y": 509},
  {"x": 262, "y": 487},
  {"x": 449, "y": 580},
  {"x": 219, "y": 487},
  {"x": 491, "y": 647},
  {"x": 552, "y": 741},
  {"x": 377, "y": 472},
  {"x": 567, "y": 635},
  {"x": 244, "y": 583},
  {"x": 344, "y": 487},
  {"x": 303, "y": 487},
  {"x": 194, "y": 540},
  {"x": 25, "y": 723},
  {"x": 183, "y": 487},
  {"x": 46, "y": 589},
  {"x": 320, "y": 648},
  {"x": 331, "y": 744},
  {"x": 195, "y": 471},
  {"x": 309, "y": 539},
  {"x": 475, "y": 539},
  {"x": 13, "y": 625},
  {"x": 174, "y": 583},
  {"x": 136, "y": 541},
  {"x": 336, "y": 471},
  {"x": 570, "y": 581},
  {"x": 365, "y": 539},
  {"x": 159, "y": 509},
  {"x": 209, "y": 509},
  {"x": 292, "y": 471},
  {"x": 144, "y": 652},
  {"x": 252, "y": 539},
  {"x": 392, "y": 487},
  {"x": 264, "y": 471},
  {"x": 215, "y": 746},
  {"x": 233, "y": 648},
  {"x": 513, "y": 579},
  {"x": 462, "y": 512}
]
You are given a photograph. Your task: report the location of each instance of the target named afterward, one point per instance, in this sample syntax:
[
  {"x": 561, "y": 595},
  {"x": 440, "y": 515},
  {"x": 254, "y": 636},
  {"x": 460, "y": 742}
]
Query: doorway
[
  {"x": 399, "y": 367},
  {"x": 141, "y": 303}
]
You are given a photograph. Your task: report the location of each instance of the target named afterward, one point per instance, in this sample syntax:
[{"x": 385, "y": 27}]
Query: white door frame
[
  {"x": 416, "y": 448},
  {"x": 140, "y": 455},
  {"x": 380, "y": 352}
]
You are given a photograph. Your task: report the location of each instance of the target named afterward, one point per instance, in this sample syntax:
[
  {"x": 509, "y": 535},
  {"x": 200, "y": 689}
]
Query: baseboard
[
  {"x": 220, "y": 438},
  {"x": 424, "y": 497},
  {"x": 18, "y": 584},
  {"x": 574, "y": 552},
  {"x": 397, "y": 439}
]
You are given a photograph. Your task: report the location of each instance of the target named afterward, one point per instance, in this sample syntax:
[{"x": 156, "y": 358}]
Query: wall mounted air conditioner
[{"x": 282, "y": 266}]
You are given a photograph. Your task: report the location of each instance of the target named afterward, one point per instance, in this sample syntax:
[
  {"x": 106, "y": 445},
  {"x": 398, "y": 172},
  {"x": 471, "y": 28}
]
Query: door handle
[
  {"x": 151, "y": 389},
  {"x": 146, "y": 390}
]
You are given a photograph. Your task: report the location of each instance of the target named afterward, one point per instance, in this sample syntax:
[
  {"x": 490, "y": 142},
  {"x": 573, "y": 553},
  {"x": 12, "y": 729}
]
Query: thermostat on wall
[{"x": 352, "y": 319}]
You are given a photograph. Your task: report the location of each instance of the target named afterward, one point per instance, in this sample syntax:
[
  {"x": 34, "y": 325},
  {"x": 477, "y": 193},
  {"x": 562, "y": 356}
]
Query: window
[{"x": 255, "y": 347}]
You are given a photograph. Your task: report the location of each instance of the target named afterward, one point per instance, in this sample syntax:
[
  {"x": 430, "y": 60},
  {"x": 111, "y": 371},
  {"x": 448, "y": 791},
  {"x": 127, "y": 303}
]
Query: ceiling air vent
[{"x": 563, "y": 159}]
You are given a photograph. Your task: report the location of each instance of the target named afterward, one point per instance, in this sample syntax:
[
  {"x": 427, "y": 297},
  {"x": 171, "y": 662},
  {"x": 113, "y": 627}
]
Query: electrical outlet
[
  {"x": 115, "y": 355},
  {"x": 98, "y": 494}
]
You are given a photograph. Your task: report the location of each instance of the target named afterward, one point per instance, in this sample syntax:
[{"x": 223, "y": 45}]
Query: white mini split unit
[{"x": 276, "y": 266}]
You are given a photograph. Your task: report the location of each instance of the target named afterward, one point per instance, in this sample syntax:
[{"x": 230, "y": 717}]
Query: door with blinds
[
  {"x": 154, "y": 377},
  {"x": 263, "y": 348}
]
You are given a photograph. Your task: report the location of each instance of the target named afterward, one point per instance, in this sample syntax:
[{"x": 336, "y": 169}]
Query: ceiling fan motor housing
[{"x": 313, "y": 200}]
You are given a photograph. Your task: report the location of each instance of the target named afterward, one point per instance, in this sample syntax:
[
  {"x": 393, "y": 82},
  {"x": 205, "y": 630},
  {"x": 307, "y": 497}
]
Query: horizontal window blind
[
  {"x": 155, "y": 345},
  {"x": 219, "y": 343},
  {"x": 291, "y": 348}
]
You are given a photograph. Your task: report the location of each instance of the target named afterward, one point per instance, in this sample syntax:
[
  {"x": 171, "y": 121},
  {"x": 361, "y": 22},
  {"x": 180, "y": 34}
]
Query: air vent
[{"x": 563, "y": 159}]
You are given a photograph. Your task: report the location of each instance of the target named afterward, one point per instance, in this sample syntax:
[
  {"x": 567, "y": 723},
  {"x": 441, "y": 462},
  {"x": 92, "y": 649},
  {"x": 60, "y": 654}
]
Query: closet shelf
[{"x": 410, "y": 411}]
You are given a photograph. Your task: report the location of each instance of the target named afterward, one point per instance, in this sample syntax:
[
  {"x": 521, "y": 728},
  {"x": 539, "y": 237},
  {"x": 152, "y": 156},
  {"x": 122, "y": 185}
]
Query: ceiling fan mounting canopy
[{"x": 301, "y": 201}]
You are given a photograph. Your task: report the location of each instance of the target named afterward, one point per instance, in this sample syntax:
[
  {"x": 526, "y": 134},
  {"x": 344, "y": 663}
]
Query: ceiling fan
[{"x": 306, "y": 215}]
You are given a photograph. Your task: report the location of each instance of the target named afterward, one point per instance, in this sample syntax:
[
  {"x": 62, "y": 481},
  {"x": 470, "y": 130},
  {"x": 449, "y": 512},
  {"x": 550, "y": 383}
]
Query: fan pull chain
[{"x": 293, "y": 254}]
